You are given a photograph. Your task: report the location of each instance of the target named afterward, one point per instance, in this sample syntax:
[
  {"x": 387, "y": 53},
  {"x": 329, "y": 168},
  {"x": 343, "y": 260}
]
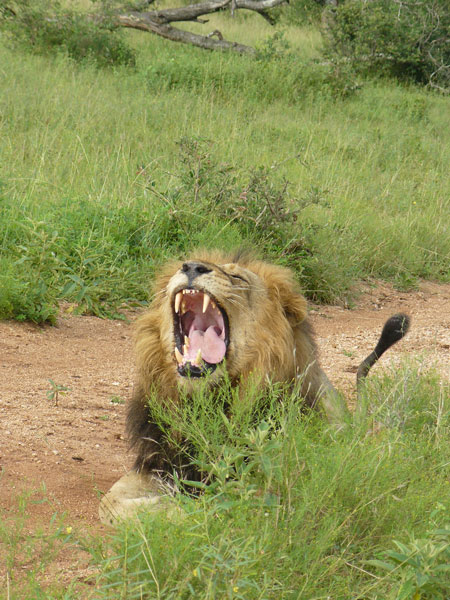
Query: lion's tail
[{"x": 394, "y": 329}]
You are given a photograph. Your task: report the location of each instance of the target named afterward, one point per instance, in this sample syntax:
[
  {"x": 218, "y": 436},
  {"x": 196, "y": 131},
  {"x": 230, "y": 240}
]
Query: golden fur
[
  {"x": 266, "y": 317},
  {"x": 260, "y": 330},
  {"x": 270, "y": 339},
  {"x": 269, "y": 332}
]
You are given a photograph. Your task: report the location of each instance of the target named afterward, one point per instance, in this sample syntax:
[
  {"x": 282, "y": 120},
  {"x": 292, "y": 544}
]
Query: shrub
[
  {"x": 292, "y": 508},
  {"x": 408, "y": 40},
  {"x": 24, "y": 300},
  {"x": 419, "y": 569},
  {"x": 299, "y": 12},
  {"x": 45, "y": 28}
]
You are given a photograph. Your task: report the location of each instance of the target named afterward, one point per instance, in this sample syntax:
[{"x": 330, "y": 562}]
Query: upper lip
[{"x": 178, "y": 297}]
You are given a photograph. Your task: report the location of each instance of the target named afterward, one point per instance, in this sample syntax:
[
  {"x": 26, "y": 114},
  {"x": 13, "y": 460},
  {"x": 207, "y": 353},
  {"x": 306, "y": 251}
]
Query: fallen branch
[{"x": 159, "y": 22}]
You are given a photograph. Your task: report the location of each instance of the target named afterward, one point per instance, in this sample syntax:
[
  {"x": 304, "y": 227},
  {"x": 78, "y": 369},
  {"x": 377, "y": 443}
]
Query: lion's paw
[{"x": 133, "y": 493}]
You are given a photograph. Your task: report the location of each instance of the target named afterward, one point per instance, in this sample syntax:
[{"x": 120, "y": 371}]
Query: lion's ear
[
  {"x": 284, "y": 289},
  {"x": 294, "y": 304}
]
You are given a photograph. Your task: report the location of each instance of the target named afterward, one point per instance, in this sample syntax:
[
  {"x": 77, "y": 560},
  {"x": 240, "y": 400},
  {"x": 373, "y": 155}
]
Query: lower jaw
[{"x": 193, "y": 372}]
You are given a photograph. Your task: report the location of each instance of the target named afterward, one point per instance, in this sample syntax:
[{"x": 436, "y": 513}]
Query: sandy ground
[{"x": 76, "y": 447}]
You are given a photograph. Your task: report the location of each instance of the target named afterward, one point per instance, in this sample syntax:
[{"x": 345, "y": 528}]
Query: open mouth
[{"x": 201, "y": 332}]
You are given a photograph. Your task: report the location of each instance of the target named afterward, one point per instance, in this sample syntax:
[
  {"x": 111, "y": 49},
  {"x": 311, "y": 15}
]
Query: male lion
[{"x": 218, "y": 315}]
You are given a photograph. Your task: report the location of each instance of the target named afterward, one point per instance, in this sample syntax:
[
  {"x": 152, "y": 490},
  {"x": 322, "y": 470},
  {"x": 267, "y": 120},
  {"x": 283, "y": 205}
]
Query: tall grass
[
  {"x": 295, "y": 510},
  {"x": 292, "y": 509},
  {"x": 32, "y": 554},
  {"x": 91, "y": 157}
]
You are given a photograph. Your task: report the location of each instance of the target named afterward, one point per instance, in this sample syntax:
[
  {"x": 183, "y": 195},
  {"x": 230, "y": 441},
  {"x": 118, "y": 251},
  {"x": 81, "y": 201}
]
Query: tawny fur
[{"x": 270, "y": 340}]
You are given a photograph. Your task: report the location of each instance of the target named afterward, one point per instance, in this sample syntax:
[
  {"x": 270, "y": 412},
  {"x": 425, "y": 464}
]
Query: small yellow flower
[
  {"x": 235, "y": 589},
  {"x": 195, "y": 573},
  {"x": 68, "y": 530}
]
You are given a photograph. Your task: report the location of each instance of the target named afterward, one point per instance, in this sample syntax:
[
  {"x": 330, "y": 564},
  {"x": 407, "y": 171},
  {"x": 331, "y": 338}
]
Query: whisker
[{"x": 236, "y": 301}]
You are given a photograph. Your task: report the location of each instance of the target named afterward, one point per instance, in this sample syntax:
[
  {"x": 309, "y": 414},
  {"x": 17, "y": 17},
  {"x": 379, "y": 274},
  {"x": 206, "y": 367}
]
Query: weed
[
  {"x": 30, "y": 551},
  {"x": 348, "y": 353},
  {"x": 420, "y": 568},
  {"x": 55, "y": 391},
  {"x": 117, "y": 400}
]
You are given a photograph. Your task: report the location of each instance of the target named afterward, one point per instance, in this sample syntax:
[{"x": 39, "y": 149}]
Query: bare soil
[{"x": 76, "y": 446}]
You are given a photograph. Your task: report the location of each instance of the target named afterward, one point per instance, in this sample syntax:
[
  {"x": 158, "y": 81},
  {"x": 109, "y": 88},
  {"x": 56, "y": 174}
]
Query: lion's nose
[{"x": 194, "y": 269}]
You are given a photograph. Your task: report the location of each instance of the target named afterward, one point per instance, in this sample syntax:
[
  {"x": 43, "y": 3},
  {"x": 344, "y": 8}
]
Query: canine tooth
[
  {"x": 186, "y": 341},
  {"x": 206, "y": 301},
  {"x": 185, "y": 349},
  {"x": 178, "y": 356},
  {"x": 198, "y": 357},
  {"x": 178, "y": 301}
]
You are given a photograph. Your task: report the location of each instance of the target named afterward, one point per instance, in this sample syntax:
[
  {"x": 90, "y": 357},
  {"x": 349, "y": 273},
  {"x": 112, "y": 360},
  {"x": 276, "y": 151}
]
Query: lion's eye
[{"x": 238, "y": 277}]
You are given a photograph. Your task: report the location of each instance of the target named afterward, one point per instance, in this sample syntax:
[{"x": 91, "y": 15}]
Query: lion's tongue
[{"x": 212, "y": 346}]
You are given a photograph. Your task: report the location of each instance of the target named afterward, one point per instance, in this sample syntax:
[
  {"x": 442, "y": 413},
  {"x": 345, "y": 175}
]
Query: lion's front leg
[
  {"x": 134, "y": 491},
  {"x": 320, "y": 393}
]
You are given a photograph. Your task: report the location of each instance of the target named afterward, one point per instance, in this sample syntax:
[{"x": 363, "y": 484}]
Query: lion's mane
[{"x": 269, "y": 338}]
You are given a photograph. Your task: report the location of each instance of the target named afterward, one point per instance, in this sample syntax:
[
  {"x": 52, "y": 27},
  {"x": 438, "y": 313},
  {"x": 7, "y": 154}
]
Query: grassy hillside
[{"x": 104, "y": 173}]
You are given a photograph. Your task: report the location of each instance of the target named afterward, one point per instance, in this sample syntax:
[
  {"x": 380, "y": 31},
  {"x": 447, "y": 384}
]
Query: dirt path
[{"x": 77, "y": 446}]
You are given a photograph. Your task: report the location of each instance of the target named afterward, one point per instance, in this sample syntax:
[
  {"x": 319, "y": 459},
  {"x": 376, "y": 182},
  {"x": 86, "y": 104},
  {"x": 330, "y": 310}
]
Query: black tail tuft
[{"x": 394, "y": 329}]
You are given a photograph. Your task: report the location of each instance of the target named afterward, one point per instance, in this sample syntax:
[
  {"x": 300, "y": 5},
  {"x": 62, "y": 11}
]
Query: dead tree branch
[{"x": 159, "y": 21}]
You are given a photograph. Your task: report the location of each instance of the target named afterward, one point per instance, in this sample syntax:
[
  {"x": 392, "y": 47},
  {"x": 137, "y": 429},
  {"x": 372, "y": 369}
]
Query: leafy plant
[
  {"x": 420, "y": 568},
  {"x": 56, "y": 390},
  {"x": 287, "y": 506},
  {"x": 22, "y": 297},
  {"x": 48, "y": 27},
  {"x": 408, "y": 40},
  {"x": 117, "y": 400}
]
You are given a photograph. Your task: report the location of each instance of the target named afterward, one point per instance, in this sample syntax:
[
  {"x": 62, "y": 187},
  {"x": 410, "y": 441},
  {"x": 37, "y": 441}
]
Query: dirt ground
[{"x": 76, "y": 446}]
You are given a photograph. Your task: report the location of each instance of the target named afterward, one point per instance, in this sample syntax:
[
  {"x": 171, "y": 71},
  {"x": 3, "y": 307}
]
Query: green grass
[
  {"x": 105, "y": 173},
  {"x": 32, "y": 555},
  {"x": 94, "y": 192},
  {"x": 294, "y": 509}
]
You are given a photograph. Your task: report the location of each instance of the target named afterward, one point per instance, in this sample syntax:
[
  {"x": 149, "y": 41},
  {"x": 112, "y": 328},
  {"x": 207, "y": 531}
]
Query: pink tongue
[{"x": 212, "y": 346}]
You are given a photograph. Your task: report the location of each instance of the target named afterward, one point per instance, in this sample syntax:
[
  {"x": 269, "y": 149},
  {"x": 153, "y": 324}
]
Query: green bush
[
  {"x": 292, "y": 509},
  {"x": 274, "y": 75},
  {"x": 408, "y": 40},
  {"x": 45, "y": 28},
  {"x": 299, "y": 12},
  {"x": 421, "y": 568},
  {"x": 23, "y": 296}
]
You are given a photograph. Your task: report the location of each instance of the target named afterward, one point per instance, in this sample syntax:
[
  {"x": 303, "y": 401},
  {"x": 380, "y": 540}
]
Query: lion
[{"x": 215, "y": 316}]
